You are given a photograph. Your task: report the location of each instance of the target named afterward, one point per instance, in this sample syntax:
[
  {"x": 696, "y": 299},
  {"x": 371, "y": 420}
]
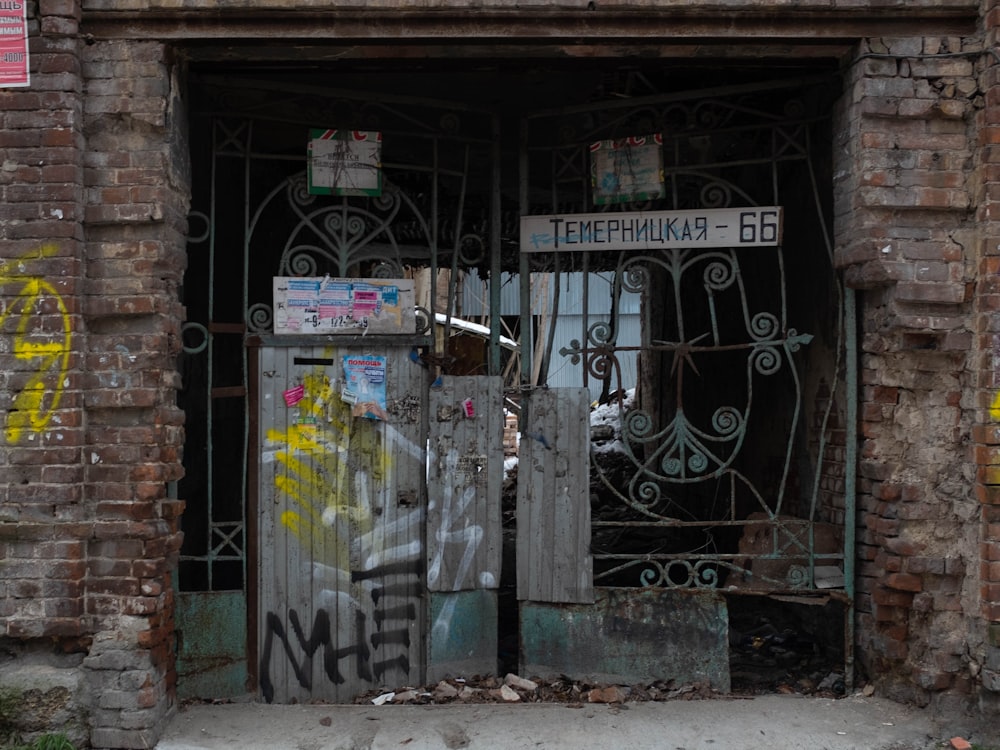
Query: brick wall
[
  {"x": 136, "y": 204},
  {"x": 907, "y": 239},
  {"x": 94, "y": 188},
  {"x": 44, "y": 522},
  {"x": 41, "y": 267},
  {"x": 94, "y": 193},
  {"x": 986, "y": 432}
]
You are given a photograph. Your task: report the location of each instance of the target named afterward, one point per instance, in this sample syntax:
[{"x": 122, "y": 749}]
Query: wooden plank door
[
  {"x": 341, "y": 528},
  {"x": 464, "y": 484},
  {"x": 464, "y": 534},
  {"x": 554, "y": 563}
]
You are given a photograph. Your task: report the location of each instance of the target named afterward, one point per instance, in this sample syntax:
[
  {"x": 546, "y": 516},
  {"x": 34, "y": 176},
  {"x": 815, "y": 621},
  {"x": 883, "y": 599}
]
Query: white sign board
[
  {"x": 345, "y": 162},
  {"x": 653, "y": 230},
  {"x": 307, "y": 304},
  {"x": 627, "y": 169}
]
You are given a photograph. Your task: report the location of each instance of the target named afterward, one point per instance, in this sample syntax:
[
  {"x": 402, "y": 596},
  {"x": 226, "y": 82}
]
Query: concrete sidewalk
[{"x": 776, "y": 722}]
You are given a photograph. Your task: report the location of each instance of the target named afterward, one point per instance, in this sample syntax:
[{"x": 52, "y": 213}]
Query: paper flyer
[
  {"x": 627, "y": 169},
  {"x": 325, "y": 305},
  {"x": 364, "y": 386}
]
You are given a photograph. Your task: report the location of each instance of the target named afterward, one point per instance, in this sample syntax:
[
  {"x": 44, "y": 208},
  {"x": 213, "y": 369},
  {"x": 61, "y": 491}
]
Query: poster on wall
[
  {"x": 327, "y": 305},
  {"x": 345, "y": 162},
  {"x": 364, "y": 385},
  {"x": 13, "y": 44},
  {"x": 626, "y": 170}
]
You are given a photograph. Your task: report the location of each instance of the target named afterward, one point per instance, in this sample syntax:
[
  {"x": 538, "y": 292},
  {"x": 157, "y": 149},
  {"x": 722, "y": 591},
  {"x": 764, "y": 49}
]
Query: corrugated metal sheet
[
  {"x": 564, "y": 374},
  {"x": 570, "y": 321},
  {"x": 475, "y": 299},
  {"x": 553, "y": 498}
]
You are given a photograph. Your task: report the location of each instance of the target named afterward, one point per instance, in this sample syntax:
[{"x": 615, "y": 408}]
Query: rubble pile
[{"x": 515, "y": 689}]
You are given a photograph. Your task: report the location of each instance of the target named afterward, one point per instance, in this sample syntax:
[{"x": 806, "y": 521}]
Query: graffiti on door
[{"x": 337, "y": 495}]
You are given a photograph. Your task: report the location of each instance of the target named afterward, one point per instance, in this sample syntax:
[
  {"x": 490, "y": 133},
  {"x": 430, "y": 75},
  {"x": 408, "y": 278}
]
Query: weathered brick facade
[
  {"x": 95, "y": 201},
  {"x": 905, "y": 233},
  {"x": 94, "y": 189}
]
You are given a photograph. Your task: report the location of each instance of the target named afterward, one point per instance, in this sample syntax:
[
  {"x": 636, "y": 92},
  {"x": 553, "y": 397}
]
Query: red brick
[
  {"x": 986, "y": 455},
  {"x": 115, "y": 586},
  {"x": 892, "y": 598},
  {"x": 988, "y": 494},
  {"x": 990, "y": 551},
  {"x": 988, "y": 475}
]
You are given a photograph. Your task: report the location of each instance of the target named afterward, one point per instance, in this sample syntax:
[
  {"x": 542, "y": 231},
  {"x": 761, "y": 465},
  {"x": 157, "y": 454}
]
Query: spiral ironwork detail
[
  {"x": 697, "y": 463},
  {"x": 638, "y": 423},
  {"x": 387, "y": 269},
  {"x": 298, "y": 191},
  {"x": 672, "y": 466},
  {"x": 766, "y": 360},
  {"x": 202, "y": 217},
  {"x": 600, "y": 333},
  {"x": 716, "y": 195},
  {"x": 386, "y": 200},
  {"x": 635, "y": 278},
  {"x": 259, "y": 318},
  {"x": 301, "y": 263},
  {"x": 795, "y": 341},
  {"x": 727, "y": 421},
  {"x": 763, "y": 326},
  {"x": 472, "y": 257},
  {"x": 706, "y": 575},
  {"x": 648, "y": 493},
  {"x": 650, "y": 576},
  {"x": 201, "y": 331},
  {"x": 601, "y": 364},
  {"x": 719, "y": 274}
]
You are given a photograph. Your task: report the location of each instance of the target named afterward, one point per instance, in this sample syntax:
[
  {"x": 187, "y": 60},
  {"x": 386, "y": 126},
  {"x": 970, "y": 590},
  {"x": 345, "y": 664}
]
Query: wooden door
[{"x": 341, "y": 526}]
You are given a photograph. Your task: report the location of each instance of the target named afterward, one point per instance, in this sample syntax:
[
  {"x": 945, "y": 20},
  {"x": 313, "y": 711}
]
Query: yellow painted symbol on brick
[
  {"x": 995, "y": 408},
  {"x": 33, "y": 311}
]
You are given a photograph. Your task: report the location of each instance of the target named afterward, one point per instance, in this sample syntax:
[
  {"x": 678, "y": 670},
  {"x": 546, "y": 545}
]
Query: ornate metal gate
[
  {"x": 731, "y": 467},
  {"x": 337, "y": 506}
]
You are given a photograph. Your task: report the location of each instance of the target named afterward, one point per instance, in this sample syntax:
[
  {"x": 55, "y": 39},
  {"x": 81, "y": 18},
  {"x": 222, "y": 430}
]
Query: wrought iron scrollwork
[{"x": 687, "y": 447}]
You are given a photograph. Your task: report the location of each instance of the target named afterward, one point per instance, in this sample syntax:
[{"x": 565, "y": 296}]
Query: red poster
[{"x": 13, "y": 43}]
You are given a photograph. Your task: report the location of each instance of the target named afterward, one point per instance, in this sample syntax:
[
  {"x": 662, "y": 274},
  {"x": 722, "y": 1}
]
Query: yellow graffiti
[
  {"x": 46, "y": 354},
  {"x": 330, "y": 464},
  {"x": 995, "y": 408}
]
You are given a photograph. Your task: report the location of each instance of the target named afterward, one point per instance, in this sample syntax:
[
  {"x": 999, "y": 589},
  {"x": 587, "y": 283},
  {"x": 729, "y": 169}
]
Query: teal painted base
[
  {"x": 212, "y": 644},
  {"x": 629, "y": 637},
  {"x": 463, "y": 634}
]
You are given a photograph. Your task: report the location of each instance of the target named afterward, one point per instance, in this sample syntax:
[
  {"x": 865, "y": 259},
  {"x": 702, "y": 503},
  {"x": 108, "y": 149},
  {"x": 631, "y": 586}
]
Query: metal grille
[
  {"x": 728, "y": 468},
  {"x": 254, "y": 218}
]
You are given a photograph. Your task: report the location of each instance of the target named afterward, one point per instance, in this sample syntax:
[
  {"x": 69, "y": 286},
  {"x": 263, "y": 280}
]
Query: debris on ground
[{"x": 514, "y": 688}]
